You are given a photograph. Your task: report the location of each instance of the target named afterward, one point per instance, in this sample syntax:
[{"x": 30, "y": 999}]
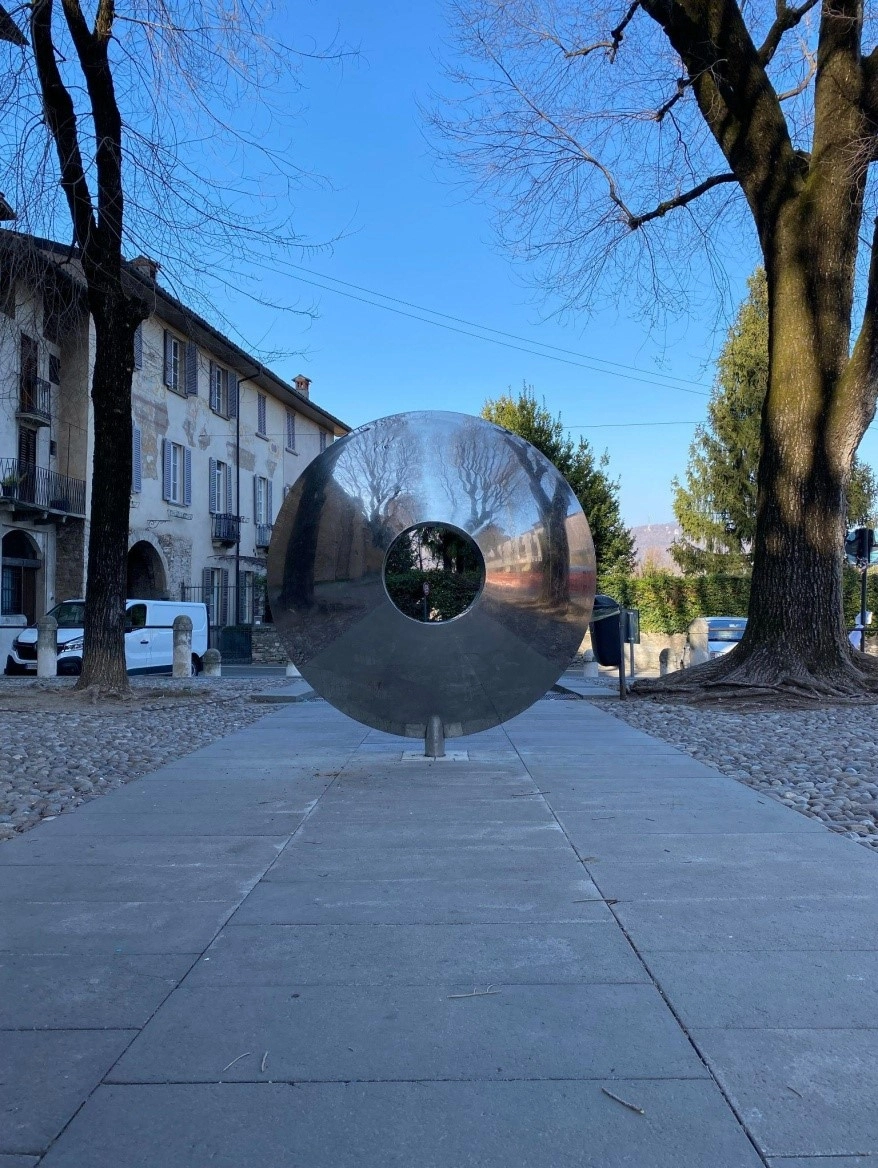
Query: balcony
[
  {"x": 225, "y": 529},
  {"x": 34, "y": 401},
  {"x": 263, "y": 535},
  {"x": 27, "y": 487}
]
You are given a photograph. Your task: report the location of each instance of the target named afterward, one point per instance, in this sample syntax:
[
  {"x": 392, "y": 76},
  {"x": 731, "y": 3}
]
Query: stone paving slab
[
  {"x": 686, "y": 1124},
  {"x": 487, "y": 900},
  {"x": 137, "y": 881},
  {"x": 771, "y": 990},
  {"x": 84, "y": 991},
  {"x": 45, "y": 1076},
  {"x": 344, "y": 1033},
  {"x": 817, "y": 1162},
  {"x": 357, "y": 955},
  {"x": 18, "y": 1161},
  {"x": 129, "y": 823},
  {"x": 800, "y": 1092},
  {"x": 253, "y": 853}
]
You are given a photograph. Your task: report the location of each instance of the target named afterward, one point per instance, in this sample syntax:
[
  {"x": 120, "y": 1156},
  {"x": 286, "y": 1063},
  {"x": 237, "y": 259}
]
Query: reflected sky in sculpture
[{"x": 350, "y": 641}]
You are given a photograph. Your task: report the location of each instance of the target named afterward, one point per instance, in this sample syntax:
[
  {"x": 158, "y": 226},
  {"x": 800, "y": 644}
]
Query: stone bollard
[
  {"x": 589, "y": 666},
  {"x": 212, "y": 662},
  {"x": 292, "y": 671},
  {"x": 664, "y": 662},
  {"x": 47, "y": 647},
  {"x": 182, "y": 646}
]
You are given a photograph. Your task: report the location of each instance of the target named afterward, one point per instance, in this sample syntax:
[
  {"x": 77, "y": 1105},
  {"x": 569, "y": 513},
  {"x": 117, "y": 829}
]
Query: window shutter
[
  {"x": 260, "y": 413},
  {"x": 224, "y": 606},
  {"x": 256, "y": 518},
  {"x": 229, "y": 507},
  {"x": 234, "y": 394},
  {"x": 136, "y": 460},
  {"x": 212, "y": 385},
  {"x": 138, "y": 347},
  {"x": 212, "y": 505},
  {"x": 187, "y": 477},
  {"x": 291, "y": 430},
  {"x": 191, "y": 369},
  {"x": 166, "y": 470},
  {"x": 169, "y": 367},
  {"x": 268, "y": 508},
  {"x": 207, "y": 593}
]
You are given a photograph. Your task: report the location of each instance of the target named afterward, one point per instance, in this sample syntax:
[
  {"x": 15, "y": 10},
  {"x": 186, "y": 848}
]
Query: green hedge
[
  {"x": 668, "y": 603},
  {"x": 450, "y": 593}
]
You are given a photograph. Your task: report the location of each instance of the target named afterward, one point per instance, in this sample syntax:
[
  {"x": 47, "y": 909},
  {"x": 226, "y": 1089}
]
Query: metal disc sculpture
[{"x": 363, "y": 587}]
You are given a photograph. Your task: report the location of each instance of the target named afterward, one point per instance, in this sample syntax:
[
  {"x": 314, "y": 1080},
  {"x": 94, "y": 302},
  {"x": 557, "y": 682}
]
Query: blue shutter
[
  {"x": 224, "y": 607},
  {"x": 260, "y": 413},
  {"x": 136, "y": 460},
  {"x": 207, "y": 593},
  {"x": 138, "y": 347},
  {"x": 234, "y": 395},
  {"x": 268, "y": 507},
  {"x": 169, "y": 367},
  {"x": 212, "y": 505},
  {"x": 212, "y": 395},
  {"x": 256, "y": 518},
  {"x": 166, "y": 470},
  {"x": 191, "y": 369},
  {"x": 187, "y": 477},
  {"x": 291, "y": 430},
  {"x": 229, "y": 507}
]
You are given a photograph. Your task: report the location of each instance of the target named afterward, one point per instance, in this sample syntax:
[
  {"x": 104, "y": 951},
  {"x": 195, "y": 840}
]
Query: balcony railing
[
  {"x": 263, "y": 535},
  {"x": 34, "y": 488},
  {"x": 225, "y": 528},
  {"x": 34, "y": 400}
]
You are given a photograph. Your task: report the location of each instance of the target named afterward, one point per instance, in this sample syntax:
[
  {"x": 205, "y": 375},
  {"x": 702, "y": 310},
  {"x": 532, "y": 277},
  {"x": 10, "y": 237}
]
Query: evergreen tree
[
  {"x": 716, "y": 506},
  {"x": 597, "y": 493}
]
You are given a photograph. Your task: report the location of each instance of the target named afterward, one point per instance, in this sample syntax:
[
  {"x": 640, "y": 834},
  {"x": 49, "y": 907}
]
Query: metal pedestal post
[{"x": 434, "y": 739}]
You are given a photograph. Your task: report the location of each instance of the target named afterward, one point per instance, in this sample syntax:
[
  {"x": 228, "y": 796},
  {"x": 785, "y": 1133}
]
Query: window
[
  {"x": 51, "y": 318},
  {"x": 135, "y": 617},
  {"x": 322, "y": 441},
  {"x": 181, "y": 365},
  {"x": 261, "y": 500},
  {"x": 7, "y": 288},
  {"x": 219, "y": 389},
  {"x": 245, "y": 600},
  {"x": 261, "y": 408},
  {"x": 291, "y": 431},
  {"x": 215, "y": 593},
  {"x": 136, "y": 459},
  {"x": 177, "y": 474},
  {"x": 220, "y": 487},
  {"x": 54, "y": 369}
]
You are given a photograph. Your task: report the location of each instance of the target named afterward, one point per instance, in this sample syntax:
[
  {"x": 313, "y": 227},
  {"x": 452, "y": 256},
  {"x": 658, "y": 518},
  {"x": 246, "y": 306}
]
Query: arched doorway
[
  {"x": 146, "y": 573},
  {"x": 20, "y": 559}
]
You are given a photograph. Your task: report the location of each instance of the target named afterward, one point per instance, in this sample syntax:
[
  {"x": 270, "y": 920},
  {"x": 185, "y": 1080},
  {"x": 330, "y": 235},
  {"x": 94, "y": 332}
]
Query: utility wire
[
  {"x": 626, "y": 425},
  {"x": 583, "y": 364}
]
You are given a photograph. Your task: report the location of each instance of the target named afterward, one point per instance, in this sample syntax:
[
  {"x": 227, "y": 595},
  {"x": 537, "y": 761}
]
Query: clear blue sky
[{"x": 408, "y": 231}]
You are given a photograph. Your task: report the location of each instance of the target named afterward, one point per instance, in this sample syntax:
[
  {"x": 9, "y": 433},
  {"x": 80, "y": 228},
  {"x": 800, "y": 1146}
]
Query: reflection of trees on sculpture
[
  {"x": 555, "y": 545},
  {"x": 486, "y": 474},
  {"x": 383, "y": 477},
  {"x": 441, "y": 558},
  {"x": 298, "y": 586}
]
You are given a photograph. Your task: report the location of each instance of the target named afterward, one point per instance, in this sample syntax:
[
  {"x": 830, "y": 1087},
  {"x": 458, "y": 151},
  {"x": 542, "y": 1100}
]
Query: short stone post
[
  {"x": 589, "y": 665},
  {"x": 47, "y": 647},
  {"x": 292, "y": 670},
  {"x": 664, "y": 662},
  {"x": 212, "y": 662},
  {"x": 182, "y": 646}
]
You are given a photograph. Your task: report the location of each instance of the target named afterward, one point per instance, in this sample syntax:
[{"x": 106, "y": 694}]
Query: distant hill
[{"x": 653, "y": 541}]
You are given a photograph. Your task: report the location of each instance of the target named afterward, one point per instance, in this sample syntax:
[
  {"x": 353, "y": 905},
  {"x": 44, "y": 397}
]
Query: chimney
[
  {"x": 147, "y": 267},
  {"x": 302, "y": 384}
]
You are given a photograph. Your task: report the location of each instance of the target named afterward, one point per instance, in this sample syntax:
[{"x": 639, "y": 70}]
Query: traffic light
[{"x": 859, "y": 545}]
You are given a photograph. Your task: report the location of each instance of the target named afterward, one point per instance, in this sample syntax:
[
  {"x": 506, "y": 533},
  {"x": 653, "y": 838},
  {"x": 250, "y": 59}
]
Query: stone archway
[
  {"x": 20, "y": 561},
  {"x": 147, "y": 578}
]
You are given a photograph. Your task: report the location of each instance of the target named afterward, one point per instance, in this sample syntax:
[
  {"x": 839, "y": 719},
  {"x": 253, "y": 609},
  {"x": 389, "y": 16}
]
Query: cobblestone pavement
[
  {"x": 823, "y": 762},
  {"x": 57, "y": 752}
]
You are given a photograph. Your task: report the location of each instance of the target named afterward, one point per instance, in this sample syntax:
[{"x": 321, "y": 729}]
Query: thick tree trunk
[{"x": 104, "y": 655}]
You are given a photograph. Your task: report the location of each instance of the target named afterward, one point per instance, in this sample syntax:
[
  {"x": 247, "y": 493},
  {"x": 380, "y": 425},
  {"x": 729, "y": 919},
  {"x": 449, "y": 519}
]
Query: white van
[
  {"x": 149, "y": 637},
  {"x": 712, "y": 636}
]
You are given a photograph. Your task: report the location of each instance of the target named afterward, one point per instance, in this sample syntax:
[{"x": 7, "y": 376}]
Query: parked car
[
  {"x": 149, "y": 638},
  {"x": 712, "y": 636}
]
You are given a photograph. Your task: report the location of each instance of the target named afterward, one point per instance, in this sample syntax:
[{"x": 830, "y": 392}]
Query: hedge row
[{"x": 668, "y": 603}]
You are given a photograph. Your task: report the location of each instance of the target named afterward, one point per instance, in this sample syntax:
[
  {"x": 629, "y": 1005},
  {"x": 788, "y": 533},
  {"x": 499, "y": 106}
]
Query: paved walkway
[{"x": 579, "y": 948}]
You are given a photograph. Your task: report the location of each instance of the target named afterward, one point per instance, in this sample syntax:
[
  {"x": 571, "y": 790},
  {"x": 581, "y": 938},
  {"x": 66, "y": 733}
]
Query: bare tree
[
  {"x": 102, "y": 98},
  {"x": 620, "y": 138}
]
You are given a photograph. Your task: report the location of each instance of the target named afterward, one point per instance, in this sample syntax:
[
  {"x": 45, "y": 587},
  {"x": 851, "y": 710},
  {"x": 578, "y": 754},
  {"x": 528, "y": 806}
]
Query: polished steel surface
[{"x": 326, "y": 585}]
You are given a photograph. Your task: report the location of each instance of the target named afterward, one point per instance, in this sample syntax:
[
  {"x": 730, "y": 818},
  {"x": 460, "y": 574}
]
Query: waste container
[{"x": 604, "y": 628}]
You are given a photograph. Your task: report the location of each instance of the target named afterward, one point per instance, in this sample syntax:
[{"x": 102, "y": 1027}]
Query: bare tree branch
[
  {"x": 636, "y": 221},
  {"x": 785, "y": 19},
  {"x": 806, "y": 80}
]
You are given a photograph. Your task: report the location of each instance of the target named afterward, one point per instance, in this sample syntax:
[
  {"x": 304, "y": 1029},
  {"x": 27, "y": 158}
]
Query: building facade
[{"x": 218, "y": 440}]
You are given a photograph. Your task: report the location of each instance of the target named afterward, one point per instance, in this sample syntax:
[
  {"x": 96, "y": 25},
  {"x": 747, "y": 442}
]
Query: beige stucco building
[{"x": 218, "y": 439}]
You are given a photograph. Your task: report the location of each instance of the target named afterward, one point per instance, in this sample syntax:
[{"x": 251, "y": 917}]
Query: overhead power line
[
  {"x": 626, "y": 425},
  {"x": 584, "y": 361}
]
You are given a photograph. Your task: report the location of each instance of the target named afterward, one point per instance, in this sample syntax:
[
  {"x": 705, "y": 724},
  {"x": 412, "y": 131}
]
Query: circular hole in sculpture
[{"x": 433, "y": 572}]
